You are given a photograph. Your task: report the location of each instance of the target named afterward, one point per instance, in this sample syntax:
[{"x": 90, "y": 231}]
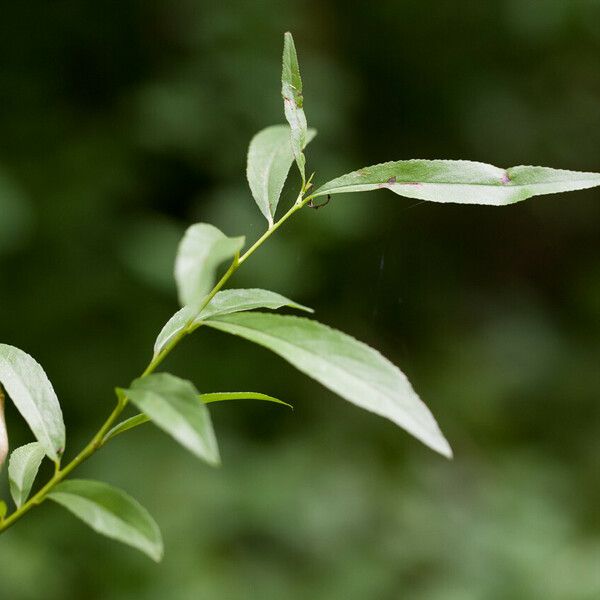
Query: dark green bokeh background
[{"x": 122, "y": 122}]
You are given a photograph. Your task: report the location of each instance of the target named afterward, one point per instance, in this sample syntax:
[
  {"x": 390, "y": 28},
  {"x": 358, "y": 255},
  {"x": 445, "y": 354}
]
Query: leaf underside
[
  {"x": 172, "y": 404},
  {"x": 32, "y": 393},
  {"x": 202, "y": 249},
  {"x": 460, "y": 181},
  {"x": 23, "y": 467},
  {"x": 346, "y": 366},
  {"x": 225, "y": 302},
  {"x": 293, "y": 101},
  {"x": 111, "y": 512},
  {"x": 270, "y": 157}
]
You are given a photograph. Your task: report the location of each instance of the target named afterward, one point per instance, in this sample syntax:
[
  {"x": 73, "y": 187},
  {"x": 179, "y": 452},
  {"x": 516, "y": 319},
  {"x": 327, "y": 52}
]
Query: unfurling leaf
[
  {"x": 344, "y": 365},
  {"x": 172, "y": 404},
  {"x": 3, "y": 432},
  {"x": 23, "y": 467},
  {"x": 293, "y": 101},
  {"x": 270, "y": 157},
  {"x": 225, "y": 302},
  {"x": 460, "y": 181},
  {"x": 111, "y": 512},
  {"x": 32, "y": 393},
  {"x": 202, "y": 249}
]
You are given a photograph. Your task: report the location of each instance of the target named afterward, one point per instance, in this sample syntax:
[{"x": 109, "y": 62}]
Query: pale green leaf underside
[
  {"x": 270, "y": 157},
  {"x": 225, "y": 302},
  {"x": 293, "y": 101},
  {"x": 111, "y": 512},
  {"x": 205, "y": 398},
  {"x": 172, "y": 404},
  {"x": 202, "y": 249},
  {"x": 344, "y": 365},
  {"x": 460, "y": 181},
  {"x": 23, "y": 467},
  {"x": 32, "y": 393}
]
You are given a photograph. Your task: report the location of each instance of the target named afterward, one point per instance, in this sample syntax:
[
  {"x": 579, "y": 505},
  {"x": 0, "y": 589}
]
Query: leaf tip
[{"x": 443, "y": 447}]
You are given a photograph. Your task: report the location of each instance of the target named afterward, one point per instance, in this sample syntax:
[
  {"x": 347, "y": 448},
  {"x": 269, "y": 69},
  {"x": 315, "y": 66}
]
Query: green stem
[{"x": 98, "y": 440}]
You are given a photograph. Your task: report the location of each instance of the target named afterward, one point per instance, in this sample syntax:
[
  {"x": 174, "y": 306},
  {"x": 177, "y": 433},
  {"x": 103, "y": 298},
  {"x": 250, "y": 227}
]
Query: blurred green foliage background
[{"x": 122, "y": 122}]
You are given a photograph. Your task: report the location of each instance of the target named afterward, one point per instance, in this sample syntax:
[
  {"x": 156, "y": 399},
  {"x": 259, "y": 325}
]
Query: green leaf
[
  {"x": 31, "y": 392},
  {"x": 172, "y": 404},
  {"x": 225, "y": 302},
  {"x": 111, "y": 512},
  {"x": 222, "y": 396},
  {"x": 3, "y": 432},
  {"x": 460, "y": 181},
  {"x": 205, "y": 398},
  {"x": 125, "y": 425},
  {"x": 202, "y": 249},
  {"x": 347, "y": 367},
  {"x": 23, "y": 467},
  {"x": 270, "y": 157},
  {"x": 3, "y": 510},
  {"x": 293, "y": 101}
]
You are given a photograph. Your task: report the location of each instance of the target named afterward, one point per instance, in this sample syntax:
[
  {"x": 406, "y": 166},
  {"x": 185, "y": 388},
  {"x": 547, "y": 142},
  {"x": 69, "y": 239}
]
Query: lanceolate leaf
[
  {"x": 460, "y": 181},
  {"x": 31, "y": 392},
  {"x": 270, "y": 157},
  {"x": 222, "y": 396},
  {"x": 205, "y": 398},
  {"x": 225, "y": 302},
  {"x": 23, "y": 467},
  {"x": 202, "y": 249},
  {"x": 174, "y": 326},
  {"x": 111, "y": 512},
  {"x": 172, "y": 404},
  {"x": 293, "y": 101},
  {"x": 350, "y": 368},
  {"x": 126, "y": 425}
]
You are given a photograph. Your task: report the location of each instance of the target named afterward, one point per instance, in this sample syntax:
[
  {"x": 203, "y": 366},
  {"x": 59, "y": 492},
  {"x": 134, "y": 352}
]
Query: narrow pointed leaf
[
  {"x": 344, "y": 365},
  {"x": 293, "y": 101},
  {"x": 222, "y": 396},
  {"x": 202, "y": 249},
  {"x": 172, "y": 404},
  {"x": 239, "y": 300},
  {"x": 126, "y": 425},
  {"x": 225, "y": 302},
  {"x": 460, "y": 181},
  {"x": 209, "y": 398},
  {"x": 32, "y": 393},
  {"x": 3, "y": 432},
  {"x": 111, "y": 512},
  {"x": 270, "y": 157},
  {"x": 23, "y": 467}
]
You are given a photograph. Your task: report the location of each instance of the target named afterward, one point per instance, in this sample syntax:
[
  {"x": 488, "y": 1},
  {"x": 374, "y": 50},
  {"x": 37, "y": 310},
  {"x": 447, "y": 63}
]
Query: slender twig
[{"x": 99, "y": 440}]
